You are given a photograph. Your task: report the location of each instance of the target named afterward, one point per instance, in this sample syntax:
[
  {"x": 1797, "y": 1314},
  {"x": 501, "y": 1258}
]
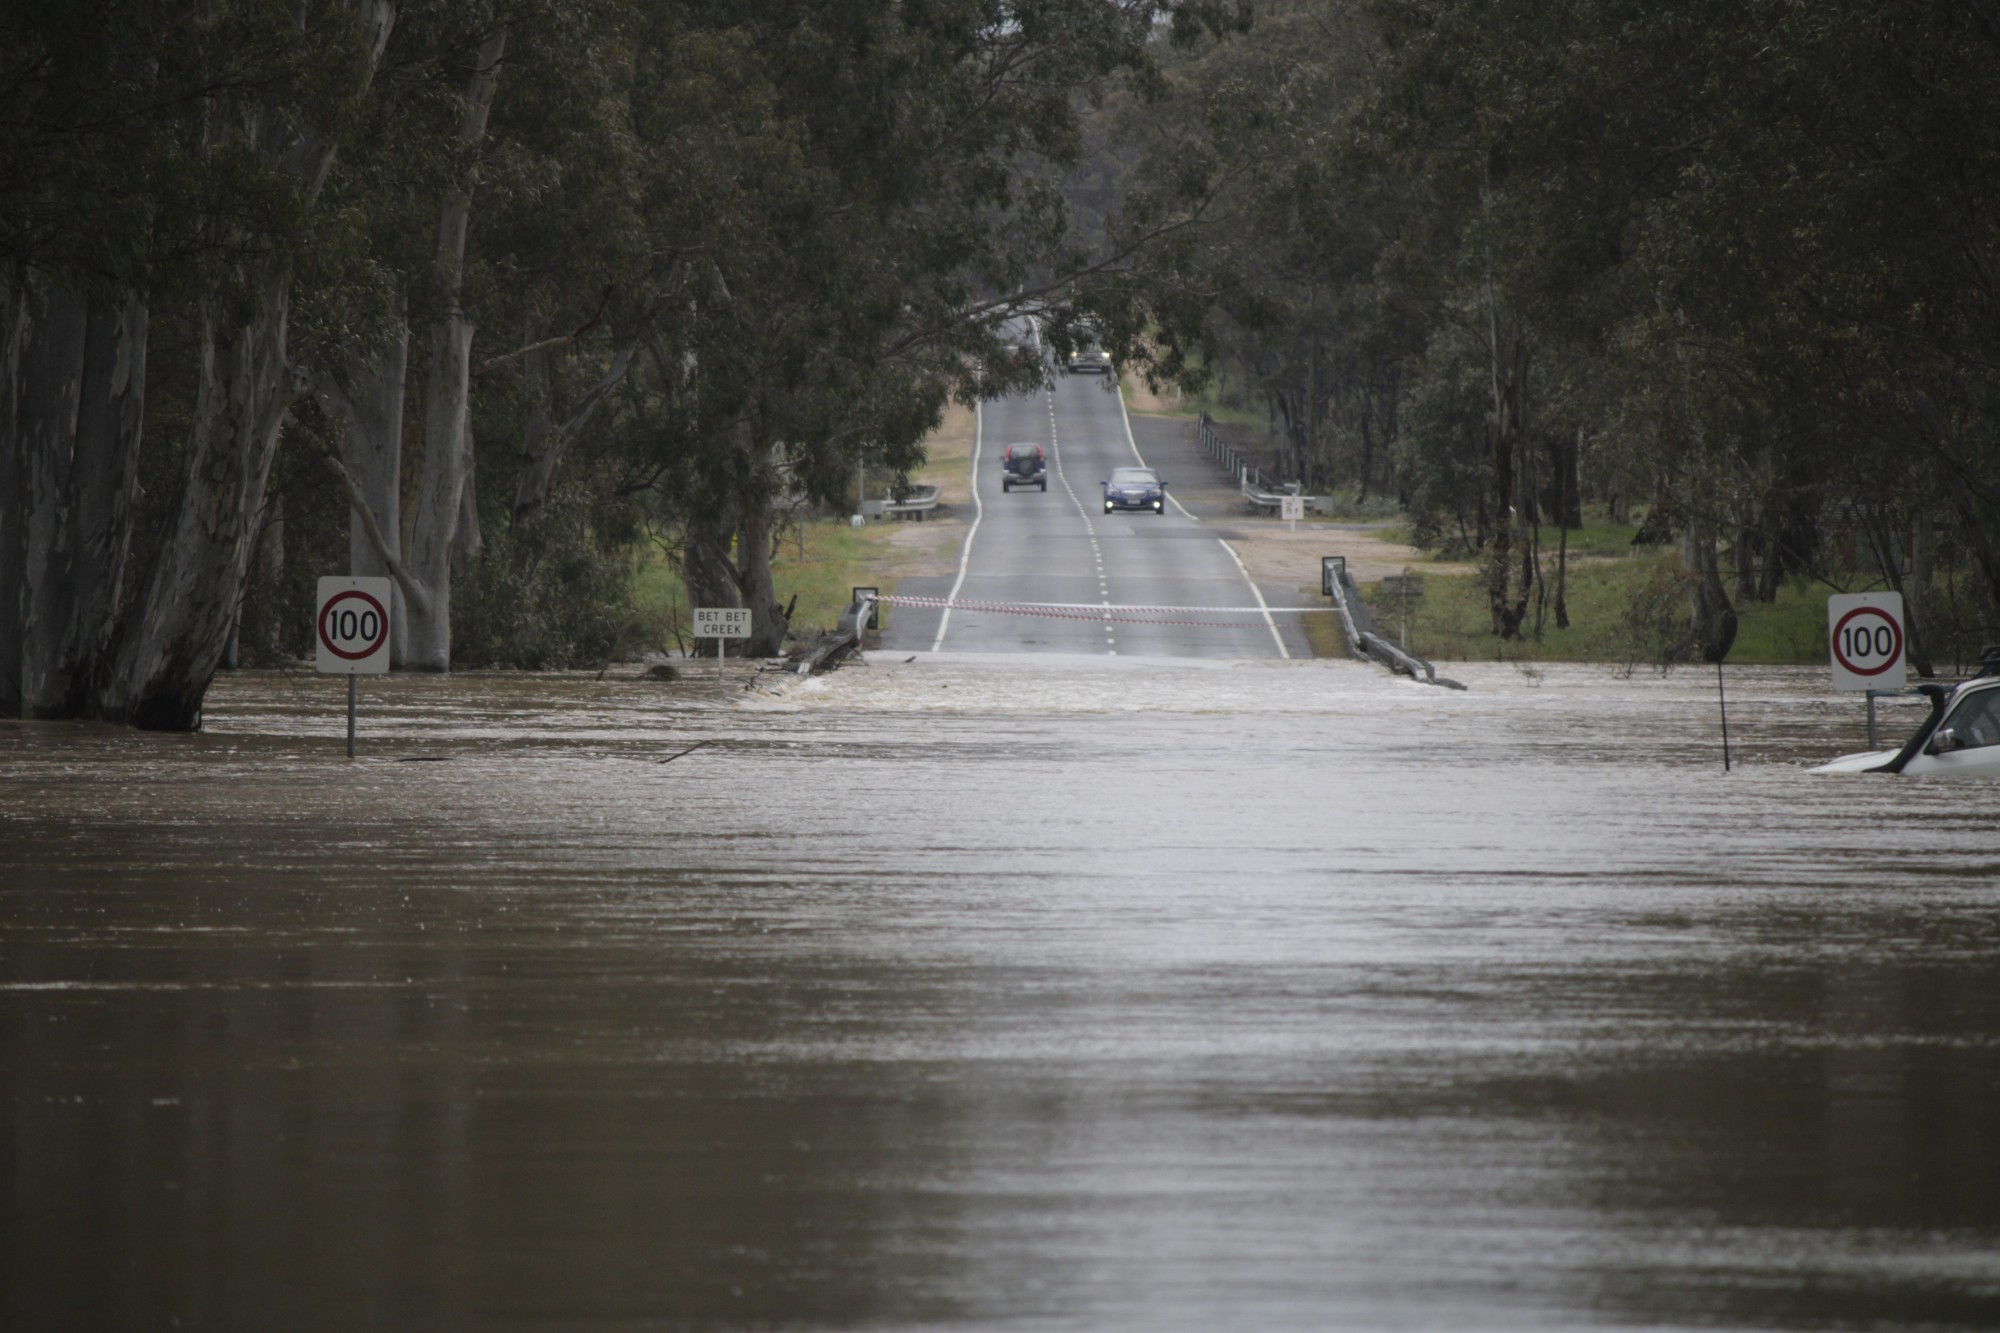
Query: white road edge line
[
  {"x": 1271, "y": 624},
  {"x": 1118, "y": 390},
  {"x": 978, "y": 512}
]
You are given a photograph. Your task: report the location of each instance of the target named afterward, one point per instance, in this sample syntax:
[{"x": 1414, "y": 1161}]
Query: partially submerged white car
[{"x": 1960, "y": 739}]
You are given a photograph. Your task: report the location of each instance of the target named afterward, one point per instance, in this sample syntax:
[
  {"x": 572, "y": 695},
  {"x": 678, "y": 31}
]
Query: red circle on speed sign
[
  {"x": 1869, "y": 638},
  {"x": 330, "y": 625}
]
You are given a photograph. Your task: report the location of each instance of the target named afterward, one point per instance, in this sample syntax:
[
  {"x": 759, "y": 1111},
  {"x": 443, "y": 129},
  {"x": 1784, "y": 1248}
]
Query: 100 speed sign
[
  {"x": 1865, "y": 640},
  {"x": 351, "y": 631}
]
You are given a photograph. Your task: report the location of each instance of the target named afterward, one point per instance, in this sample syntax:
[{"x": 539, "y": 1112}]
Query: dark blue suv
[{"x": 1023, "y": 465}]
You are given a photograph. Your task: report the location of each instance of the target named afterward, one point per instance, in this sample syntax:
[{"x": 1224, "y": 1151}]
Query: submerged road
[
  {"x": 1261, "y": 996},
  {"x": 1059, "y": 546}
]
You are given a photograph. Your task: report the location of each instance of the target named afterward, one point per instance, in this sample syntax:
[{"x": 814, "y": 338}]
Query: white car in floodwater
[{"x": 1960, "y": 738}]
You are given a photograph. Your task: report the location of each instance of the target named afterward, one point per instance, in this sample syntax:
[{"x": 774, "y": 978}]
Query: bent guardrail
[{"x": 1363, "y": 641}]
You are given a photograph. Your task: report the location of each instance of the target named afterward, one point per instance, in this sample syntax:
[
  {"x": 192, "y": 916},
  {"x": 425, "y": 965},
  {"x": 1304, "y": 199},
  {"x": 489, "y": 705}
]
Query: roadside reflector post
[
  {"x": 719, "y": 623},
  {"x": 351, "y": 634},
  {"x": 1722, "y": 703}
]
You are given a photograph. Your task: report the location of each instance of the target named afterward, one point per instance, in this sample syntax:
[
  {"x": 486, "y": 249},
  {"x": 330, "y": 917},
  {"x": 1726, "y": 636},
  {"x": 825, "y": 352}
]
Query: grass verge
[
  {"x": 1620, "y": 610},
  {"x": 822, "y": 558}
]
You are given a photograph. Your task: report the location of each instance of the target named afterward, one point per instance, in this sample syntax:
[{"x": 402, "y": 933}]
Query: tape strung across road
[{"x": 1100, "y": 611}]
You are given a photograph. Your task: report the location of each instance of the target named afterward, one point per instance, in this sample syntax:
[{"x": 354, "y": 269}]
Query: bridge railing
[
  {"x": 1363, "y": 641},
  {"x": 1259, "y": 490}
]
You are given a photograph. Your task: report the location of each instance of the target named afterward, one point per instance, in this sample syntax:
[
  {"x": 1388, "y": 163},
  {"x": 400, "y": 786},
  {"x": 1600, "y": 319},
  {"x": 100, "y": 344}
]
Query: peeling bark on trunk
[
  {"x": 468, "y": 543},
  {"x": 74, "y": 428},
  {"x": 175, "y": 635},
  {"x": 169, "y": 655},
  {"x": 14, "y": 332},
  {"x": 447, "y": 464},
  {"x": 1711, "y": 618},
  {"x": 709, "y": 575},
  {"x": 1744, "y": 558},
  {"x": 440, "y": 493},
  {"x": 51, "y": 388},
  {"x": 1509, "y": 382},
  {"x": 768, "y": 622},
  {"x": 368, "y": 394},
  {"x": 104, "y": 487}
]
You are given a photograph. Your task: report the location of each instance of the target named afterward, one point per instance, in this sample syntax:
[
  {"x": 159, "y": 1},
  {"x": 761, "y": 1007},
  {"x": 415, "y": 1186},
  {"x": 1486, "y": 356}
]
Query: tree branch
[{"x": 413, "y": 589}]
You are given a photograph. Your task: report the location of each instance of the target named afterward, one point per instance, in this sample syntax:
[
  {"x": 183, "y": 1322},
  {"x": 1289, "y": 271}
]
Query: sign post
[
  {"x": 351, "y": 634},
  {"x": 1865, "y": 640},
  {"x": 868, "y": 607},
  {"x": 719, "y": 623},
  {"x": 1291, "y": 508}
]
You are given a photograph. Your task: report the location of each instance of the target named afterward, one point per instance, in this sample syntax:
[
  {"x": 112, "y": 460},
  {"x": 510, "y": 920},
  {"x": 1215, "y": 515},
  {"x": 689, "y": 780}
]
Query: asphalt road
[{"x": 1059, "y": 546}]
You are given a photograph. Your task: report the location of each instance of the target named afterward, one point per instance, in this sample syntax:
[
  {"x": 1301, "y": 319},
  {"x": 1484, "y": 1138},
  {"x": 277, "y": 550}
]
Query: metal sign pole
[
  {"x": 718, "y": 659},
  {"x": 351, "y": 634},
  {"x": 1722, "y": 702}
]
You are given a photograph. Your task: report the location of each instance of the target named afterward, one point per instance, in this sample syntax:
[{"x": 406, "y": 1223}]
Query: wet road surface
[
  {"x": 979, "y": 992},
  {"x": 1059, "y": 546}
]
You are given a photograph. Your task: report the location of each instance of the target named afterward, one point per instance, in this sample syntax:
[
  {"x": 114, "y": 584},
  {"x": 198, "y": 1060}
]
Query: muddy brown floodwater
[{"x": 967, "y": 993}]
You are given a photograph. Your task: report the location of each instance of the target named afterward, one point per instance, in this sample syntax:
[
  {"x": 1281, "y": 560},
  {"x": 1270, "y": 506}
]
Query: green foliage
[
  {"x": 1735, "y": 258},
  {"x": 552, "y": 595}
]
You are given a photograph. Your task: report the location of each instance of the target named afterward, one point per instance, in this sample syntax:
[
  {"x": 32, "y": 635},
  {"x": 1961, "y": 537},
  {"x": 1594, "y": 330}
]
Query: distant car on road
[
  {"x": 1023, "y": 465},
  {"x": 1089, "y": 359},
  {"x": 1135, "y": 488}
]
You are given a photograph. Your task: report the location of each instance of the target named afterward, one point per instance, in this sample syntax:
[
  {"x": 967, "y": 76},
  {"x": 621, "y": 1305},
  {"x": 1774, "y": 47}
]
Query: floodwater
[{"x": 1060, "y": 993}]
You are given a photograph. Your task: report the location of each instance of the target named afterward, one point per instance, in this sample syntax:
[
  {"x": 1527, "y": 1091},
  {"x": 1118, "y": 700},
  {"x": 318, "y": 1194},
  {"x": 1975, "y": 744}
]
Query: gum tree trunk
[
  {"x": 72, "y": 416},
  {"x": 1711, "y": 618},
  {"x": 170, "y": 652},
  {"x": 367, "y": 396},
  {"x": 1510, "y": 374},
  {"x": 447, "y": 465},
  {"x": 14, "y": 333},
  {"x": 172, "y": 642},
  {"x": 51, "y": 387},
  {"x": 768, "y": 623}
]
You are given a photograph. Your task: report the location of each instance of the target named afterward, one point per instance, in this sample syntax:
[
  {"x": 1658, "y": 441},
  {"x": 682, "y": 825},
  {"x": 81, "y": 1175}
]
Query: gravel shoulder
[{"x": 1274, "y": 552}]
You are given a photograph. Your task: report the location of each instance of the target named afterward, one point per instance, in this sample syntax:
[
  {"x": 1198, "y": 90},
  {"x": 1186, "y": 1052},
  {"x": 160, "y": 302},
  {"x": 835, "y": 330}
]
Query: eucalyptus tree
[
  {"x": 1277, "y": 270},
  {"x": 1772, "y": 224},
  {"x": 165, "y": 155},
  {"x": 891, "y": 208}
]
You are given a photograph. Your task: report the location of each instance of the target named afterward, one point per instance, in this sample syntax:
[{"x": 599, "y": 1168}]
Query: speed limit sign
[
  {"x": 351, "y": 631},
  {"x": 1864, "y": 633}
]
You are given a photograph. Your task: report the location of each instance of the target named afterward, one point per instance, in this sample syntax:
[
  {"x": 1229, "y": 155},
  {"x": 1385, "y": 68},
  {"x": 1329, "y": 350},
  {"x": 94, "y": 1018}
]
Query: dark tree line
[
  {"x": 1733, "y": 261},
  {"x": 490, "y": 285},
  {"x": 472, "y": 294}
]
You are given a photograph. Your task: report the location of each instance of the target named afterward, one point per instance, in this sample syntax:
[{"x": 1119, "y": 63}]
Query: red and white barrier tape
[{"x": 1097, "y": 611}]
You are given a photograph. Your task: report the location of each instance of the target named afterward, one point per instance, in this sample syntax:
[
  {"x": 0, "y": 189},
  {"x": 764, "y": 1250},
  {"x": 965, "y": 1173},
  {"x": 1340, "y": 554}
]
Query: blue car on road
[{"x": 1135, "y": 488}]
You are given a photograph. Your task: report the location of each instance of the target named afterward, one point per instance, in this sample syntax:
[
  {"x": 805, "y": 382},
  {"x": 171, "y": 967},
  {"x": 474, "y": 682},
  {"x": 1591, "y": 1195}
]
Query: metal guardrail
[
  {"x": 1257, "y": 489},
  {"x": 1363, "y": 641},
  {"x": 920, "y": 501}
]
